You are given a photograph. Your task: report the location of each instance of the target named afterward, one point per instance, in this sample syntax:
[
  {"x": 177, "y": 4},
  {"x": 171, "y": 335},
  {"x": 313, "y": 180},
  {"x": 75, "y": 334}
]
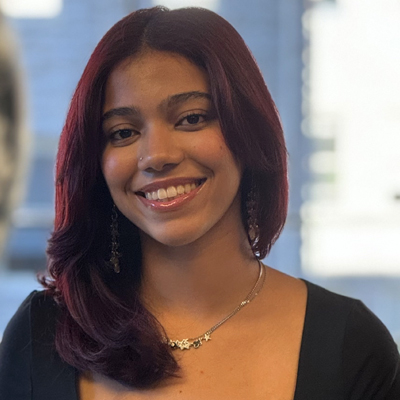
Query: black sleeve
[
  {"x": 15, "y": 355},
  {"x": 371, "y": 361}
]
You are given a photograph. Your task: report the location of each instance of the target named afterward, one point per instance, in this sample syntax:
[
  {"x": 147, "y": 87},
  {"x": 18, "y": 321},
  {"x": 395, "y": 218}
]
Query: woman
[{"x": 171, "y": 186}]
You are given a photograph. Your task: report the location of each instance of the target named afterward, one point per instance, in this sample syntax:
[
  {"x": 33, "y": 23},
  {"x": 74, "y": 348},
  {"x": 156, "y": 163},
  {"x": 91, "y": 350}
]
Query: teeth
[
  {"x": 162, "y": 194},
  {"x": 171, "y": 192}
]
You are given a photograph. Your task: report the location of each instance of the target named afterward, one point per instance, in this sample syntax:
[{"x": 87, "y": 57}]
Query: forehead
[{"x": 153, "y": 75}]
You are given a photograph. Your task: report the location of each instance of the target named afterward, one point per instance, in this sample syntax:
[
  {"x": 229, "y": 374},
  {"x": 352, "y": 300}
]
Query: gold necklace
[{"x": 186, "y": 344}]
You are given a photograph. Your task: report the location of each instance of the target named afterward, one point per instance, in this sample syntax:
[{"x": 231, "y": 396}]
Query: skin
[{"x": 197, "y": 264}]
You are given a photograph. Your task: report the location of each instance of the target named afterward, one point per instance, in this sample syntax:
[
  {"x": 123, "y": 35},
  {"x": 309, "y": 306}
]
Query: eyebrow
[
  {"x": 180, "y": 98},
  {"x": 169, "y": 102},
  {"x": 120, "y": 112}
]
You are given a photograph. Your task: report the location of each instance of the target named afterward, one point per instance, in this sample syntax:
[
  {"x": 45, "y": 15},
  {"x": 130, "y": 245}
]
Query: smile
[{"x": 171, "y": 192}]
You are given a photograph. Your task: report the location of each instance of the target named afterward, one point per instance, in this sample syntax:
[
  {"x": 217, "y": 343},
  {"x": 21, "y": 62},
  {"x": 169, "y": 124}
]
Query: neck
[{"x": 205, "y": 278}]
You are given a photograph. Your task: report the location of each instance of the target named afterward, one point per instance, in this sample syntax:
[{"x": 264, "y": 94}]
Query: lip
[{"x": 174, "y": 203}]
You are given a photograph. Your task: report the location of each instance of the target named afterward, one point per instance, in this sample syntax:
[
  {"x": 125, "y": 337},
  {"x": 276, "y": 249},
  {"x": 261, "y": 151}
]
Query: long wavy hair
[{"x": 103, "y": 326}]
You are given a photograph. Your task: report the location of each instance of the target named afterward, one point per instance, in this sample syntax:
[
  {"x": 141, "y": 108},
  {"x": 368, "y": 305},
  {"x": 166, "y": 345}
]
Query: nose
[{"x": 159, "y": 149}]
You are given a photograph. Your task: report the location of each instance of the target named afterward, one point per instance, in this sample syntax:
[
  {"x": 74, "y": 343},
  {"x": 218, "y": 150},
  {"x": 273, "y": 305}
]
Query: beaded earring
[
  {"x": 115, "y": 255},
  {"x": 252, "y": 224}
]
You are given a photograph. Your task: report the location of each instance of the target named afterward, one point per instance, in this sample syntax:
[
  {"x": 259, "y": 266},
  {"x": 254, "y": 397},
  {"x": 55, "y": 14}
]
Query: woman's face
[{"x": 166, "y": 162}]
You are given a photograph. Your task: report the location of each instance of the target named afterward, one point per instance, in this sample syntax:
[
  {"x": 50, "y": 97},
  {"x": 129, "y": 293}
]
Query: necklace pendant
[
  {"x": 207, "y": 337},
  {"x": 173, "y": 344},
  {"x": 197, "y": 343},
  {"x": 183, "y": 344}
]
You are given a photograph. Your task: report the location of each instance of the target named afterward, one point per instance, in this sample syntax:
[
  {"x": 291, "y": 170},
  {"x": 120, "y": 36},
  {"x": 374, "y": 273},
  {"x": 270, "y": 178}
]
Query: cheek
[
  {"x": 213, "y": 149},
  {"x": 116, "y": 168},
  {"x": 225, "y": 158},
  {"x": 108, "y": 166},
  {"x": 220, "y": 160}
]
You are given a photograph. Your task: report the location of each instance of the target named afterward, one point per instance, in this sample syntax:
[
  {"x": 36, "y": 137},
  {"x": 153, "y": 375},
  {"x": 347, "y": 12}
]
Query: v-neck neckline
[{"x": 303, "y": 346}]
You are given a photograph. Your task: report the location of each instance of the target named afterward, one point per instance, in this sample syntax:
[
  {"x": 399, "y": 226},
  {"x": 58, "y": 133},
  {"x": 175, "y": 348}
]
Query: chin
[{"x": 178, "y": 239}]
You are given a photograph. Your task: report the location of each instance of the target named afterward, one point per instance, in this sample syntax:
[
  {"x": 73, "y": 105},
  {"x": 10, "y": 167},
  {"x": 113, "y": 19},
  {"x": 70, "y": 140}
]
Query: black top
[{"x": 346, "y": 353}]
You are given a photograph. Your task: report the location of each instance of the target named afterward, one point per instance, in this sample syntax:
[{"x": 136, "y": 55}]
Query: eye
[
  {"x": 122, "y": 137},
  {"x": 121, "y": 134},
  {"x": 192, "y": 120}
]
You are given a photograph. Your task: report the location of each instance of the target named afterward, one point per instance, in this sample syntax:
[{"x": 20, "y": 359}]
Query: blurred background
[{"x": 333, "y": 70}]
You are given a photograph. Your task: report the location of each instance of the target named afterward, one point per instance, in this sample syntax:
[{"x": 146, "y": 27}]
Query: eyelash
[
  {"x": 194, "y": 114},
  {"x": 118, "y": 131}
]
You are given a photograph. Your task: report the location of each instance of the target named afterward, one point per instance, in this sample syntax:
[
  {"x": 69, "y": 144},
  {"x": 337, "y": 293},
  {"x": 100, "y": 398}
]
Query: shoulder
[
  {"x": 17, "y": 334},
  {"x": 37, "y": 306},
  {"x": 16, "y": 345},
  {"x": 327, "y": 313},
  {"x": 361, "y": 352},
  {"x": 371, "y": 361}
]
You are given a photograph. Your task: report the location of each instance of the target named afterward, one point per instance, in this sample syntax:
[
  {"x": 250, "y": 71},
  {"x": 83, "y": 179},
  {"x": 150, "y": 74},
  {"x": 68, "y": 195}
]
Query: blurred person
[
  {"x": 171, "y": 188},
  {"x": 14, "y": 143}
]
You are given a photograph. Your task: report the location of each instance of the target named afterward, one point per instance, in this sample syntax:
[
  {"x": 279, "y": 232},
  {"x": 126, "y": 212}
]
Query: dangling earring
[
  {"x": 253, "y": 228},
  {"x": 115, "y": 255}
]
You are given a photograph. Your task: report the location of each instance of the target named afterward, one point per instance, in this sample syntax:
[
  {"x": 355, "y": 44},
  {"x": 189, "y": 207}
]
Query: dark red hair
[{"x": 104, "y": 326}]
